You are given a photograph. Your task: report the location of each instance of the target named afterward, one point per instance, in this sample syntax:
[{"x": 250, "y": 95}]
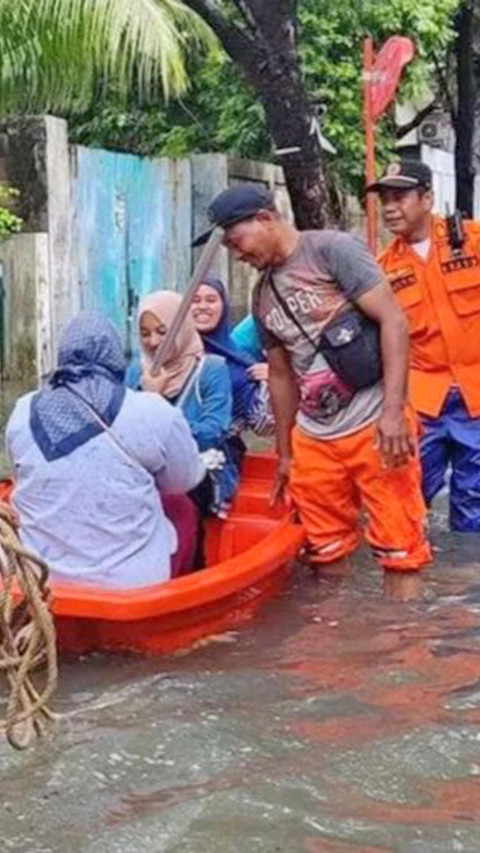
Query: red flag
[{"x": 394, "y": 55}]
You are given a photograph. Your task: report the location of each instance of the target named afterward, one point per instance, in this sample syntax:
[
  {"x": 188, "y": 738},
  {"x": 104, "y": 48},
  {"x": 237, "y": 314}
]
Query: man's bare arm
[
  {"x": 284, "y": 397},
  {"x": 380, "y": 305}
]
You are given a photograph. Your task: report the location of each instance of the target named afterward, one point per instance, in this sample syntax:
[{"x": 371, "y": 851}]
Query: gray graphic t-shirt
[{"x": 328, "y": 270}]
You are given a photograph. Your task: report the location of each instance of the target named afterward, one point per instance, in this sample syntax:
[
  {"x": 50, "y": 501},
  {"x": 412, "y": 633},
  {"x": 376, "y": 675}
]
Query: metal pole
[
  {"x": 368, "y": 62},
  {"x": 204, "y": 263}
]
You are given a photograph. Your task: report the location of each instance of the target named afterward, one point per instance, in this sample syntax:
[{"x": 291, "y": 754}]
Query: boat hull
[{"x": 250, "y": 555}]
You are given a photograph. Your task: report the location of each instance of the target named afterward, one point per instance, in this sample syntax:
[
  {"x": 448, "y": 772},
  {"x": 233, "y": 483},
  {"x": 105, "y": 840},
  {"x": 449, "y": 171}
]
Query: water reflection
[{"x": 344, "y": 718}]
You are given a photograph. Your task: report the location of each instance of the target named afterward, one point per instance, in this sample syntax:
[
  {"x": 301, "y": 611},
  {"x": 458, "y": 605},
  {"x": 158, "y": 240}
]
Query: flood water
[{"x": 340, "y": 720}]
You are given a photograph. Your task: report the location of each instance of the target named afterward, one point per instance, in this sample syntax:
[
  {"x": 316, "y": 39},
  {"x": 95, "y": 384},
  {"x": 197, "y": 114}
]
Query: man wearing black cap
[
  {"x": 433, "y": 266},
  {"x": 332, "y": 327}
]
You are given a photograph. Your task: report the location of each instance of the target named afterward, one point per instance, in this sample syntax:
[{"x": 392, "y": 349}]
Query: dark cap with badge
[
  {"x": 234, "y": 205},
  {"x": 404, "y": 175}
]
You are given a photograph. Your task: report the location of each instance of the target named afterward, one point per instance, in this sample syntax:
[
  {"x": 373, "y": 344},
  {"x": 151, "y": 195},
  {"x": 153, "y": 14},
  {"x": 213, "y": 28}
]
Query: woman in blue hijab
[
  {"x": 90, "y": 377},
  {"x": 94, "y": 464},
  {"x": 211, "y": 315}
]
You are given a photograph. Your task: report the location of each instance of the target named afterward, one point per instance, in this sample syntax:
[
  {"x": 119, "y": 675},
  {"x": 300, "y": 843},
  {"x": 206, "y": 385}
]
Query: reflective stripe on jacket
[{"x": 441, "y": 298}]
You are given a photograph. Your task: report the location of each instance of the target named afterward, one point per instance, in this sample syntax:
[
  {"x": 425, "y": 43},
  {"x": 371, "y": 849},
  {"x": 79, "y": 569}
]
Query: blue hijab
[
  {"x": 92, "y": 364},
  {"x": 220, "y": 342}
]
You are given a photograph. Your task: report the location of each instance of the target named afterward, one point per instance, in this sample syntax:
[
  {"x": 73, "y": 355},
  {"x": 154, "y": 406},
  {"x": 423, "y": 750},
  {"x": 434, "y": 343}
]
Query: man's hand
[
  {"x": 155, "y": 384},
  {"x": 258, "y": 371},
  {"x": 280, "y": 482},
  {"x": 393, "y": 439},
  {"x": 284, "y": 396}
]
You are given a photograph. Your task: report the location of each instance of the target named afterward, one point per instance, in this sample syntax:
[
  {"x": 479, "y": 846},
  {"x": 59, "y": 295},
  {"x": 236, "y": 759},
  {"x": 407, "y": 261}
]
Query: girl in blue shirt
[
  {"x": 197, "y": 383},
  {"x": 246, "y": 337},
  {"x": 211, "y": 315}
]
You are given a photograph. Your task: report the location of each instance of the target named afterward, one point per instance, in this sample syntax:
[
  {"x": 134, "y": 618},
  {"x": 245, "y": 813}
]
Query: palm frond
[{"x": 54, "y": 53}]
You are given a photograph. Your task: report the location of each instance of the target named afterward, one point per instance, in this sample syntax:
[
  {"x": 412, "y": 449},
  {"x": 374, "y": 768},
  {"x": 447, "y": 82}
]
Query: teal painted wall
[{"x": 132, "y": 230}]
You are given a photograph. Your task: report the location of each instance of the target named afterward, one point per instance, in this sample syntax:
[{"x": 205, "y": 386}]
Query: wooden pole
[
  {"x": 204, "y": 263},
  {"x": 368, "y": 61}
]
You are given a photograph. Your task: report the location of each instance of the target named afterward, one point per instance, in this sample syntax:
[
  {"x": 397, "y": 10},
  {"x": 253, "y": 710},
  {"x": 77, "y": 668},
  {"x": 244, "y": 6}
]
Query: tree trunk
[
  {"x": 265, "y": 50},
  {"x": 289, "y": 121},
  {"x": 465, "y": 123}
]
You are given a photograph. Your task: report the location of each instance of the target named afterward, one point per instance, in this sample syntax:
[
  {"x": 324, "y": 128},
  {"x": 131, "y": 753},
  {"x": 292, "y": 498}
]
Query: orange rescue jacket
[{"x": 441, "y": 298}]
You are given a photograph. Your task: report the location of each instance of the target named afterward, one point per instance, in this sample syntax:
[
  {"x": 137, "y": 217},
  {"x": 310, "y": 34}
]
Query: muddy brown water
[{"x": 340, "y": 720}]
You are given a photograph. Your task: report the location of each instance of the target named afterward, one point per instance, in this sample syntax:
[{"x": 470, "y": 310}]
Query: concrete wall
[
  {"x": 28, "y": 345},
  {"x": 60, "y": 207},
  {"x": 23, "y": 153}
]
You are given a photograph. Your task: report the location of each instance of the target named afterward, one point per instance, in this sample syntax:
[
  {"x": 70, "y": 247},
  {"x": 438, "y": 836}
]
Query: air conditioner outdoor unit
[{"x": 435, "y": 130}]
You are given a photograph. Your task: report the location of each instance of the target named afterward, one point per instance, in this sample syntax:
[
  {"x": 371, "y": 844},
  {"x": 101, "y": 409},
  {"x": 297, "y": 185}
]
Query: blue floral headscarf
[{"x": 91, "y": 363}]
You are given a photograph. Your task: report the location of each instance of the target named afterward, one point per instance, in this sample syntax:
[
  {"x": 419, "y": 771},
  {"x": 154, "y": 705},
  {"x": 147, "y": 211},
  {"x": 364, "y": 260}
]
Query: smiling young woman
[{"x": 207, "y": 309}]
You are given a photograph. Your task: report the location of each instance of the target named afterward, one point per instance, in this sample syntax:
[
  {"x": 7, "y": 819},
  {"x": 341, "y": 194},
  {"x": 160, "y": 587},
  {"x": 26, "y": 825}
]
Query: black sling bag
[{"x": 350, "y": 343}]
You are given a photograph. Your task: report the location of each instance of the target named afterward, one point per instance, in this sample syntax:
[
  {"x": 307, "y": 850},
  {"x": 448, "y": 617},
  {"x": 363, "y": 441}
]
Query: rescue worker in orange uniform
[{"x": 435, "y": 276}]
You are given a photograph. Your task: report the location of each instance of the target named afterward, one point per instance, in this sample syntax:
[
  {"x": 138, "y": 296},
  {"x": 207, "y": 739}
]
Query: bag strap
[
  {"x": 288, "y": 311},
  {"x": 108, "y": 430},
  {"x": 194, "y": 375}
]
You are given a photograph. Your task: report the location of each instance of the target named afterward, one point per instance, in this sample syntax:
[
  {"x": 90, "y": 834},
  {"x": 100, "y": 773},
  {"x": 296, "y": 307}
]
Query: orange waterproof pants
[{"x": 332, "y": 480}]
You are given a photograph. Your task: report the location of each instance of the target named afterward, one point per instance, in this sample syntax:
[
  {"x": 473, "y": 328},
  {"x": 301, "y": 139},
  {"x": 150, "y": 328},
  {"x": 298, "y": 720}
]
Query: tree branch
[
  {"x": 404, "y": 129},
  {"x": 234, "y": 40},
  {"x": 246, "y": 13},
  {"x": 442, "y": 79}
]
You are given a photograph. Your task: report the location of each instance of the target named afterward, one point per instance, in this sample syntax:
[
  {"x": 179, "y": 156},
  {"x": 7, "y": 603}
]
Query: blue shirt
[
  {"x": 247, "y": 338},
  {"x": 208, "y": 405}
]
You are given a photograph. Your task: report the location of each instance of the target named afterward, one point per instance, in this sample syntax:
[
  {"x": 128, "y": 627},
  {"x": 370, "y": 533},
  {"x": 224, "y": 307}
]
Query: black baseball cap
[
  {"x": 234, "y": 205},
  {"x": 404, "y": 175}
]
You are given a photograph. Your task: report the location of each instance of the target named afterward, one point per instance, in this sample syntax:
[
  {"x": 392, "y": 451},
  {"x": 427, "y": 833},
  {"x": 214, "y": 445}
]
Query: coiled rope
[{"x": 28, "y": 654}]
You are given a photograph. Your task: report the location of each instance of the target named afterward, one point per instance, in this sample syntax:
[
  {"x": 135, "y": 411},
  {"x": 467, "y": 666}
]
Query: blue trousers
[{"x": 453, "y": 440}]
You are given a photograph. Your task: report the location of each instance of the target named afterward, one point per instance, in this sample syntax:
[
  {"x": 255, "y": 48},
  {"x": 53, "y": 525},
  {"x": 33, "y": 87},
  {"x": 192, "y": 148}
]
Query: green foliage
[
  {"x": 10, "y": 223},
  {"x": 53, "y": 53},
  {"x": 331, "y": 48},
  {"x": 220, "y": 112}
]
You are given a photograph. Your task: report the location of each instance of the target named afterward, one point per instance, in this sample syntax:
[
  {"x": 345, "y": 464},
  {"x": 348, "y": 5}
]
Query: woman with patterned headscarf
[{"x": 94, "y": 464}]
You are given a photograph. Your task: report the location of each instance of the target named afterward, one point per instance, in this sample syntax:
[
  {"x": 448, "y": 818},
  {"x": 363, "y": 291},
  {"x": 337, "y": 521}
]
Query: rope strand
[{"x": 28, "y": 654}]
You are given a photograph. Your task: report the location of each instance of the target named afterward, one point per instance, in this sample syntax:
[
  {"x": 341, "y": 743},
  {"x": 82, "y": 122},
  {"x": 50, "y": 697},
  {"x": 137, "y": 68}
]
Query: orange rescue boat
[{"x": 249, "y": 556}]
